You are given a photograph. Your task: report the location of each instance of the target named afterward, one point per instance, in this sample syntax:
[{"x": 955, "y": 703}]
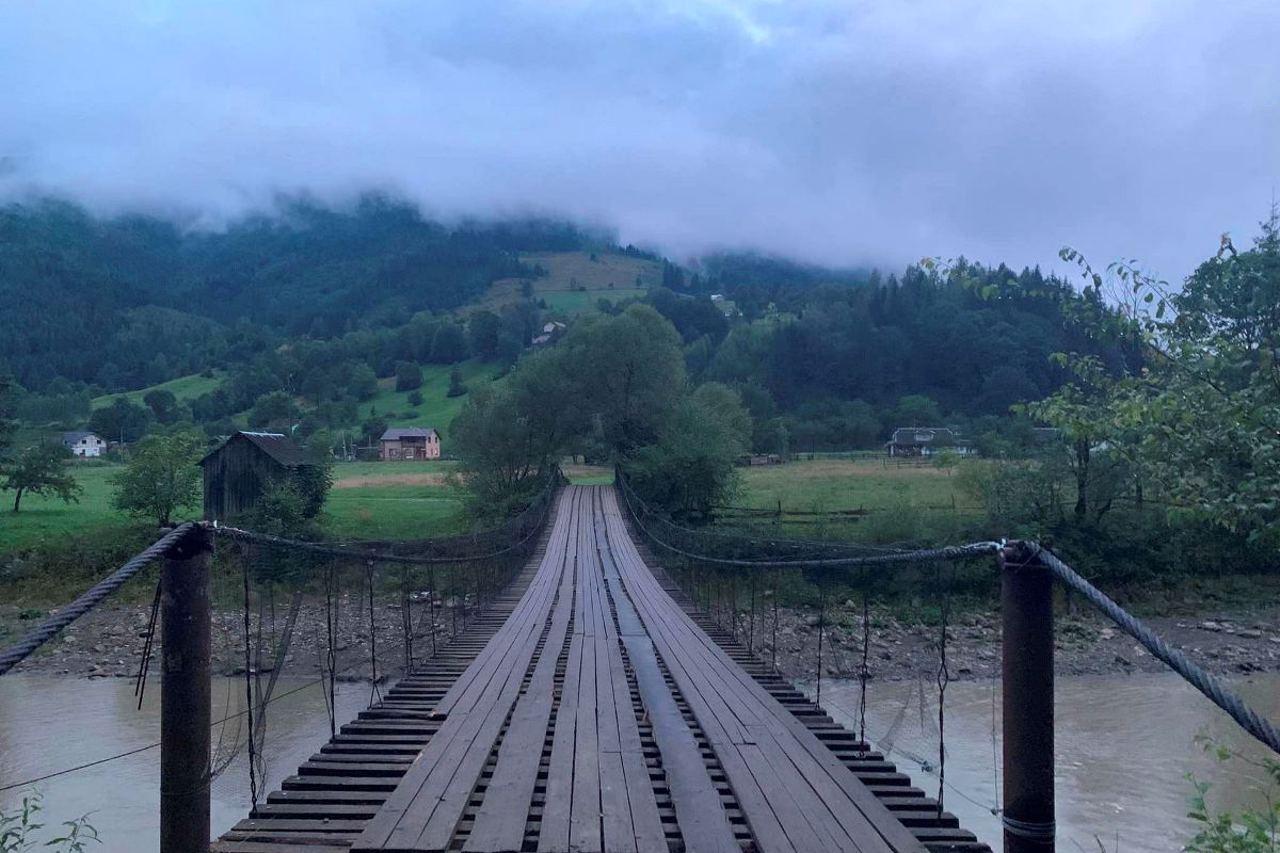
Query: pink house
[{"x": 400, "y": 443}]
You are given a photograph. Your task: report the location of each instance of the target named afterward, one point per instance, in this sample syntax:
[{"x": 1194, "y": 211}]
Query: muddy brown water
[
  {"x": 1124, "y": 743},
  {"x": 1124, "y": 746}
]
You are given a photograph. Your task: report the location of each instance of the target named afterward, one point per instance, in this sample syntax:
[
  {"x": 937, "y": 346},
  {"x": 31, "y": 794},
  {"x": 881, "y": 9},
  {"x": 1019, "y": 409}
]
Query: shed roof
[
  {"x": 277, "y": 445},
  {"x": 73, "y": 437},
  {"x": 941, "y": 436},
  {"x": 397, "y": 433}
]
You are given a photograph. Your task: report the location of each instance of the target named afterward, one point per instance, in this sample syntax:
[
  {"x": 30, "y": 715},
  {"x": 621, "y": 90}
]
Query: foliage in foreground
[
  {"x": 1253, "y": 831},
  {"x": 20, "y": 828}
]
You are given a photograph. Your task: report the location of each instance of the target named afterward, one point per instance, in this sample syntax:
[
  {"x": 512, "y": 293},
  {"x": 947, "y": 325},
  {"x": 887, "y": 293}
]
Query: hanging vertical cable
[
  {"x": 144, "y": 665},
  {"x": 944, "y": 678},
  {"x": 822, "y": 623},
  {"x": 374, "y": 693},
  {"x": 406, "y": 619},
  {"x": 248, "y": 692},
  {"x": 864, "y": 671}
]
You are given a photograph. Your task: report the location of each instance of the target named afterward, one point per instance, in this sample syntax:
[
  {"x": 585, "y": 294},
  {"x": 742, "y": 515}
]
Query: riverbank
[
  {"x": 1223, "y": 641},
  {"x": 109, "y": 641},
  {"x": 1228, "y": 641}
]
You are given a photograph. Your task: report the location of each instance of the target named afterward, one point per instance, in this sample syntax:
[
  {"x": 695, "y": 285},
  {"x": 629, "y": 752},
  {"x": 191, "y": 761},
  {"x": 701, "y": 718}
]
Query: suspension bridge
[{"x": 589, "y": 677}]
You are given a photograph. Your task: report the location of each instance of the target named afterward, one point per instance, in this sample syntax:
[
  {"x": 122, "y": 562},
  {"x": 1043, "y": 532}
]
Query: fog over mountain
[{"x": 833, "y": 132}]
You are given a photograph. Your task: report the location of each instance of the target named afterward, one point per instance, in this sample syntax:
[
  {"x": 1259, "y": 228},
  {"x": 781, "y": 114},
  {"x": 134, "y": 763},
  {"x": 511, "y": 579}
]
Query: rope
[
  {"x": 1217, "y": 692},
  {"x": 53, "y": 624},
  {"x": 351, "y": 554}
]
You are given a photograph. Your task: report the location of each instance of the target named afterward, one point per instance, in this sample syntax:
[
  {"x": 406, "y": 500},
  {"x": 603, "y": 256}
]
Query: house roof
[
  {"x": 73, "y": 437},
  {"x": 278, "y": 446},
  {"x": 397, "y": 433},
  {"x": 940, "y": 436}
]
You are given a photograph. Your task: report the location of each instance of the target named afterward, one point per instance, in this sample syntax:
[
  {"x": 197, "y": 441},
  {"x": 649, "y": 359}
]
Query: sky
[{"x": 838, "y": 132}]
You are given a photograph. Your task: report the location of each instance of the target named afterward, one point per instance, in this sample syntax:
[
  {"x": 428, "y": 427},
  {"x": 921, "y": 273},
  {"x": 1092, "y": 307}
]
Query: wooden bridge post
[
  {"x": 1027, "y": 610},
  {"x": 185, "y": 695}
]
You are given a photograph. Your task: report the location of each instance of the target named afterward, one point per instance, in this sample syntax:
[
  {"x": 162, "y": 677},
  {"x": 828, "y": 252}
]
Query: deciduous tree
[
  {"x": 41, "y": 470},
  {"x": 161, "y": 477}
]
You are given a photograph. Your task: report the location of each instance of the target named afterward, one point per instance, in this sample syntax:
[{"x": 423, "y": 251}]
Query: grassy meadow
[
  {"x": 183, "y": 388},
  {"x": 880, "y": 499},
  {"x": 574, "y": 282},
  {"x": 437, "y": 408},
  {"x": 369, "y": 500}
]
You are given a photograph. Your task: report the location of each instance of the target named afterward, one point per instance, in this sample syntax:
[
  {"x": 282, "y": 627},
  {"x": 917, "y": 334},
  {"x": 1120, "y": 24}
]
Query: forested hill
[
  {"x": 317, "y": 318},
  {"x": 131, "y": 301}
]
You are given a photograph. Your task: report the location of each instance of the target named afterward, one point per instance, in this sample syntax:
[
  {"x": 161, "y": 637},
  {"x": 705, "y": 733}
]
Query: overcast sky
[{"x": 833, "y": 132}]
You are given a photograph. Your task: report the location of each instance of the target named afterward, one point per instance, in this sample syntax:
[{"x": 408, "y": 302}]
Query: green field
[
  {"x": 184, "y": 388},
  {"x": 574, "y": 282},
  {"x": 437, "y": 409},
  {"x": 882, "y": 500},
  {"x": 370, "y": 500},
  {"x": 49, "y": 519},
  {"x": 824, "y": 485},
  {"x": 393, "y": 500}
]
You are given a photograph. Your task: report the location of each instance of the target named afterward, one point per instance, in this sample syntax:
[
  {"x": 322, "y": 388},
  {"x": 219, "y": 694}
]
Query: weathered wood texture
[{"x": 605, "y": 714}]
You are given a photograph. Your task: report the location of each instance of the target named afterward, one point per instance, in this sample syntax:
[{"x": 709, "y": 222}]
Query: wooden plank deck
[{"x": 602, "y": 715}]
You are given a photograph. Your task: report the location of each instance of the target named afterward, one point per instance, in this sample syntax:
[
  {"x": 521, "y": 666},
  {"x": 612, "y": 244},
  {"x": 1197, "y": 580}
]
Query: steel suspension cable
[
  {"x": 52, "y": 625},
  {"x": 1212, "y": 687}
]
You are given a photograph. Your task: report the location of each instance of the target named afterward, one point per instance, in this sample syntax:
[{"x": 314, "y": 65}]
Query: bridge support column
[
  {"x": 1027, "y": 610},
  {"x": 184, "y": 695}
]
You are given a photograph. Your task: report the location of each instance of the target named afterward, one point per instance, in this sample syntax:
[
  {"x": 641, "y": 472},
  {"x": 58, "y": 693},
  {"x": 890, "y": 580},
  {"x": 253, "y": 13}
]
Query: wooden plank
[
  {"x": 767, "y": 753},
  {"x": 500, "y": 821},
  {"x": 554, "y": 834},
  {"x": 646, "y": 824},
  {"x": 476, "y": 706}
]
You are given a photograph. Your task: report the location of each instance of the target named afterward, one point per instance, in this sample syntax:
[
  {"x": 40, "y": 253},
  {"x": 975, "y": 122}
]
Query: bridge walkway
[{"x": 596, "y": 713}]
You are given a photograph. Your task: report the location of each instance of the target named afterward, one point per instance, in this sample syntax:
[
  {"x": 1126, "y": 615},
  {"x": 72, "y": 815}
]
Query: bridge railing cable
[
  {"x": 1211, "y": 686},
  {"x": 52, "y": 625}
]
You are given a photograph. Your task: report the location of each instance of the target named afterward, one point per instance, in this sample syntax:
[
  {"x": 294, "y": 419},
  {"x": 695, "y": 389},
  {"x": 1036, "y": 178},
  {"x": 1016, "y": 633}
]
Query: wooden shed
[{"x": 238, "y": 472}]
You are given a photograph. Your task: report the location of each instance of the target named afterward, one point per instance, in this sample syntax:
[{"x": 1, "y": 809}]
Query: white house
[{"x": 84, "y": 443}]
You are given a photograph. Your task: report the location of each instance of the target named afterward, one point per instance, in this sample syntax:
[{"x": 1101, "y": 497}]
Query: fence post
[
  {"x": 1026, "y": 604},
  {"x": 184, "y": 695}
]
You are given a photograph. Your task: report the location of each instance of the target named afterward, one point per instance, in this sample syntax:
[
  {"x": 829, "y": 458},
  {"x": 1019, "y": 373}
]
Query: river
[{"x": 1124, "y": 744}]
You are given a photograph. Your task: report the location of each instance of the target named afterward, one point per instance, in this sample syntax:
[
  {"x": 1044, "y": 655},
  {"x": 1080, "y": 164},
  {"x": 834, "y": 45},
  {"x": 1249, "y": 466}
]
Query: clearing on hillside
[
  {"x": 574, "y": 281},
  {"x": 183, "y": 388}
]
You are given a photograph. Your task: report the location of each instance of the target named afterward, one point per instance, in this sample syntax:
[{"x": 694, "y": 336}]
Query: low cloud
[{"x": 833, "y": 132}]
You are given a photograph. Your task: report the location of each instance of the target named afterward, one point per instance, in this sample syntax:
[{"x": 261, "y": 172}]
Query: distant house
[
  {"x": 84, "y": 443},
  {"x": 550, "y": 331},
  {"x": 926, "y": 441},
  {"x": 749, "y": 459},
  {"x": 409, "y": 443},
  {"x": 244, "y": 466}
]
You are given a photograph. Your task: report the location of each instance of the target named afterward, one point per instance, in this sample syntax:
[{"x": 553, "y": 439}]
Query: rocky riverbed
[
  {"x": 109, "y": 641},
  {"x": 1230, "y": 642}
]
